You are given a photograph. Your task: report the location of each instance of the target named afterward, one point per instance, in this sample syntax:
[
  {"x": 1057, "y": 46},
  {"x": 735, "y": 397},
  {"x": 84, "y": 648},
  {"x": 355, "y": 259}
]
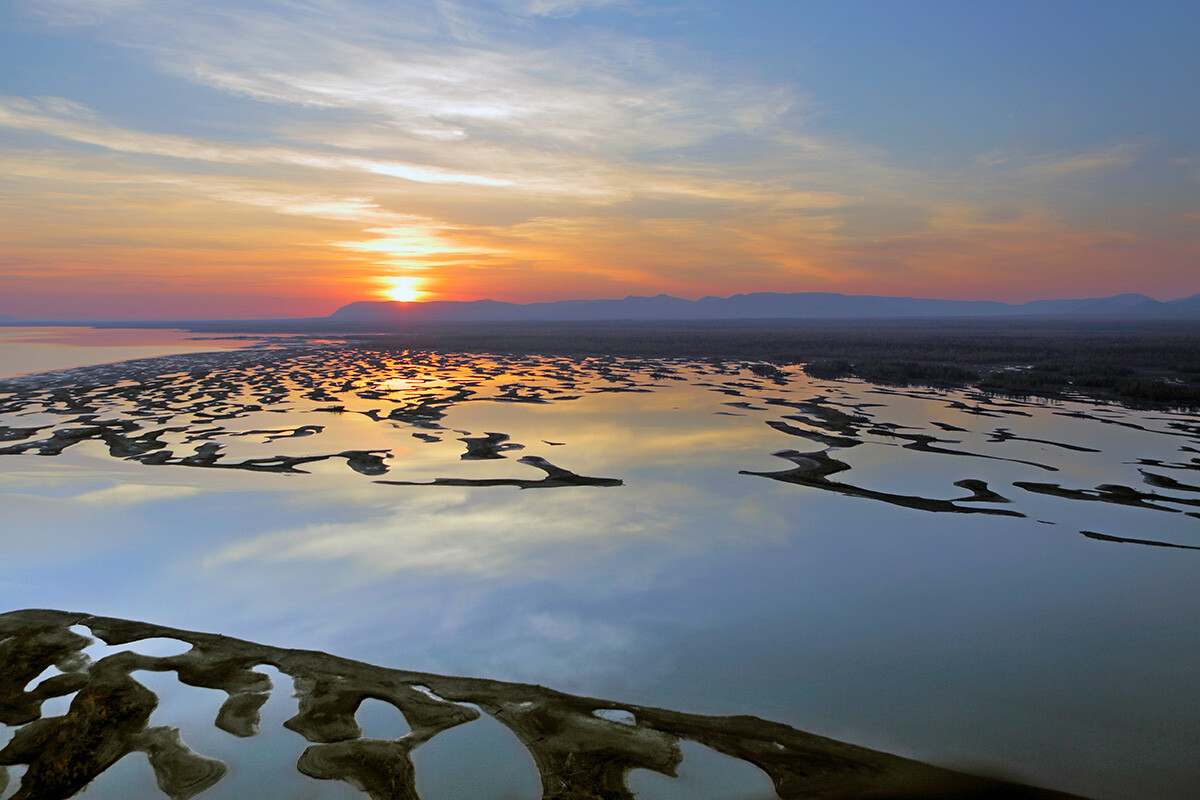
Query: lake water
[{"x": 779, "y": 546}]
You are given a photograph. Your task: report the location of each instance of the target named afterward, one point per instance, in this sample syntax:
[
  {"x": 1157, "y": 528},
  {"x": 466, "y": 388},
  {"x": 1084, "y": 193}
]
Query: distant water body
[
  {"x": 986, "y": 584},
  {"x": 36, "y": 349}
]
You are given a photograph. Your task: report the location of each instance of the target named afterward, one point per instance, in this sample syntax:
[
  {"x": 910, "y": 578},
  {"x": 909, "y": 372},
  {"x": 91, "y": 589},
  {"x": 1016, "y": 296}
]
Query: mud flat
[
  {"x": 1103, "y": 537},
  {"x": 1109, "y": 493},
  {"x": 555, "y": 477},
  {"x": 185, "y": 410},
  {"x": 655, "y": 564},
  {"x": 221, "y": 411},
  {"x": 813, "y": 470},
  {"x": 583, "y": 747}
]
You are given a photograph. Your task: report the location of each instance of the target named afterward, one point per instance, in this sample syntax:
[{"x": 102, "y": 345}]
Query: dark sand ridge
[
  {"x": 8, "y": 434},
  {"x": 984, "y": 405},
  {"x": 148, "y": 449},
  {"x": 207, "y": 388},
  {"x": 1110, "y": 493},
  {"x": 924, "y": 443},
  {"x": 1103, "y": 537},
  {"x": 487, "y": 446},
  {"x": 979, "y": 492},
  {"x": 1166, "y": 482},
  {"x": 826, "y": 439},
  {"x": 745, "y": 406},
  {"x": 580, "y": 752},
  {"x": 218, "y": 390},
  {"x": 850, "y": 426},
  {"x": 812, "y": 470},
  {"x": 1184, "y": 431},
  {"x": 555, "y": 477},
  {"x": 994, "y": 409},
  {"x": 822, "y": 415},
  {"x": 1194, "y": 464},
  {"x": 177, "y": 410},
  {"x": 1005, "y": 435}
]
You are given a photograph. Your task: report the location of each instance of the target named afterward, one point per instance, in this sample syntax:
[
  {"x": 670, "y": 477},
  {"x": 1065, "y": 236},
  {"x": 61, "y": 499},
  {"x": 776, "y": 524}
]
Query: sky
[{"x": 256, "y": 158}]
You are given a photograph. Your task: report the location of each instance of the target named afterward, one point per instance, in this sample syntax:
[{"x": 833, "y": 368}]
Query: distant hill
[
  {"x": 1183, "y": 308},
  {"x": 763, "y": 305}
]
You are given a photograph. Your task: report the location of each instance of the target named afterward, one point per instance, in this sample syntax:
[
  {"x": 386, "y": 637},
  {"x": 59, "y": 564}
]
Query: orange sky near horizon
[{"x": 234, "y": 159}]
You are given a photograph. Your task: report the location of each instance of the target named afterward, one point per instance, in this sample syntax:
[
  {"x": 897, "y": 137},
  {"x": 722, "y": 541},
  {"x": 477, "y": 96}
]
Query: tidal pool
[{"x": 993, "y": 585}]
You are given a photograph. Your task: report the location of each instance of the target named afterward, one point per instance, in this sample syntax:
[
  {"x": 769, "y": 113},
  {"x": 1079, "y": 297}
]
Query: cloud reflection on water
[
  {"x": 136, "y": 493},
  {"x": 496, "y": 533},
  {"x": 690, "y": 585}
]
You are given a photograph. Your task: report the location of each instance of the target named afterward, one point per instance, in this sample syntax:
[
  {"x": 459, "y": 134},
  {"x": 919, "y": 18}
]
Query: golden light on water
[{"x": 404, "y": 289}]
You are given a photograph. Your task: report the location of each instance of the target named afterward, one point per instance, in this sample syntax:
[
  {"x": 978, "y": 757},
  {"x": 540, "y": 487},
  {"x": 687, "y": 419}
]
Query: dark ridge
[
  {"x": 813, "y": 470},
  {"x": 580, "y": 753},
  {"x": 1109, "y": 493},
  {"x": 1103, "y": 537},
  {"x": 1132, "y": 362},
  {"x": 1151, "y": 362},
  {"x": 760, "y": 305},
  {"x": 555, "y": 477}
]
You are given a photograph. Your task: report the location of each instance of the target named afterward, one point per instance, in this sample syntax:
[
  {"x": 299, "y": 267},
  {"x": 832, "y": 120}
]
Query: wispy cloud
[
  {"x": 558, "y": 8},
  {"x": 490, "y": 143},
  {"x": 63, "y": 119},
  {"x": 1064, "y": 165}
]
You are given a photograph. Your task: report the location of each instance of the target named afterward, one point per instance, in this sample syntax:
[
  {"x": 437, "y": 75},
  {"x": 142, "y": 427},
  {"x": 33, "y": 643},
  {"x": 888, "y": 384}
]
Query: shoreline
[{"x": 1151, "y": 365}]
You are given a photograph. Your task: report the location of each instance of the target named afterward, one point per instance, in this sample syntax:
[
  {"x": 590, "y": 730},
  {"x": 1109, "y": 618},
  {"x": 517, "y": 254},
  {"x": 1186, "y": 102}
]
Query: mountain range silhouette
[{"x": 763, "y": 305}]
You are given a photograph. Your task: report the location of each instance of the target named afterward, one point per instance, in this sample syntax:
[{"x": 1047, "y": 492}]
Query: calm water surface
[
  {"x": 1010, "y": 643},
  {"x": 36, "y": 349}
]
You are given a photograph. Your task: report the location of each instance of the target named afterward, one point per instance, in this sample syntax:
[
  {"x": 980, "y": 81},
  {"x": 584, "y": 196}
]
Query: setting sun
[{"x": 403, "y": 289}]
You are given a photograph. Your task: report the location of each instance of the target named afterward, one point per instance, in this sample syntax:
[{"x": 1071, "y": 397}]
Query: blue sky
[{"x": 244, "y": 158}]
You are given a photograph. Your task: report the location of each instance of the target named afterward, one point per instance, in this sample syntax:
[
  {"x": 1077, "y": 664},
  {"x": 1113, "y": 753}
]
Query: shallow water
[
  {"x": 718, "y": 577},
  {"x": 37, "y": 348}
]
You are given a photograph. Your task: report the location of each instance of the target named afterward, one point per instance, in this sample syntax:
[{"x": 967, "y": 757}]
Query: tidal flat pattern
[
  {"x": 274, "y": 410},
  {"x": 988, "y": 584},
  {"x": 583, "y": 747}
]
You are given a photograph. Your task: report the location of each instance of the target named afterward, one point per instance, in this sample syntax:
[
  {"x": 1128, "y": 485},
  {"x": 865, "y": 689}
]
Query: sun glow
[{"x": 404, "y": 289}]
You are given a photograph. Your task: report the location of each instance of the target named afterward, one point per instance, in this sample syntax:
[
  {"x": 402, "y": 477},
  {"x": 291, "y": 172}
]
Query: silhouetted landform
[
  {"x": 1104, "y": 537},
  {"x": 1194, "y": 464},
  {"x": 582, "y": 747},
  {"x": 665, "y": 308},
  {"x": 489, "y": 445},
  {"x": 1125, "y": 361},
  {"x": 817, "y": 436},
  {"x": 820, "y": 412},
  {"x": 760, "y": 305},
  {"x": 555, "y": 477},
  {"x": 897, "y": 373},
  {"x": 149, "y": 449},
  {"x": 812, "y": 470},
  {"x": 222, "y": 411},
  {"x": 1005, "y": 435},
  {"x": 980, "y": 493},
  {"x": 155, "y": 410},
  {"x": 1166, "y": 482},
  {"x": 1147, "y": 361},
  {"x": 1048, "y": 380},
  {"x": 1110, "y": 493},
  {"x": 925, "y": 443},
  {"x": 1077, "y": 414},
  {"x": 1055, "y": 382}
]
